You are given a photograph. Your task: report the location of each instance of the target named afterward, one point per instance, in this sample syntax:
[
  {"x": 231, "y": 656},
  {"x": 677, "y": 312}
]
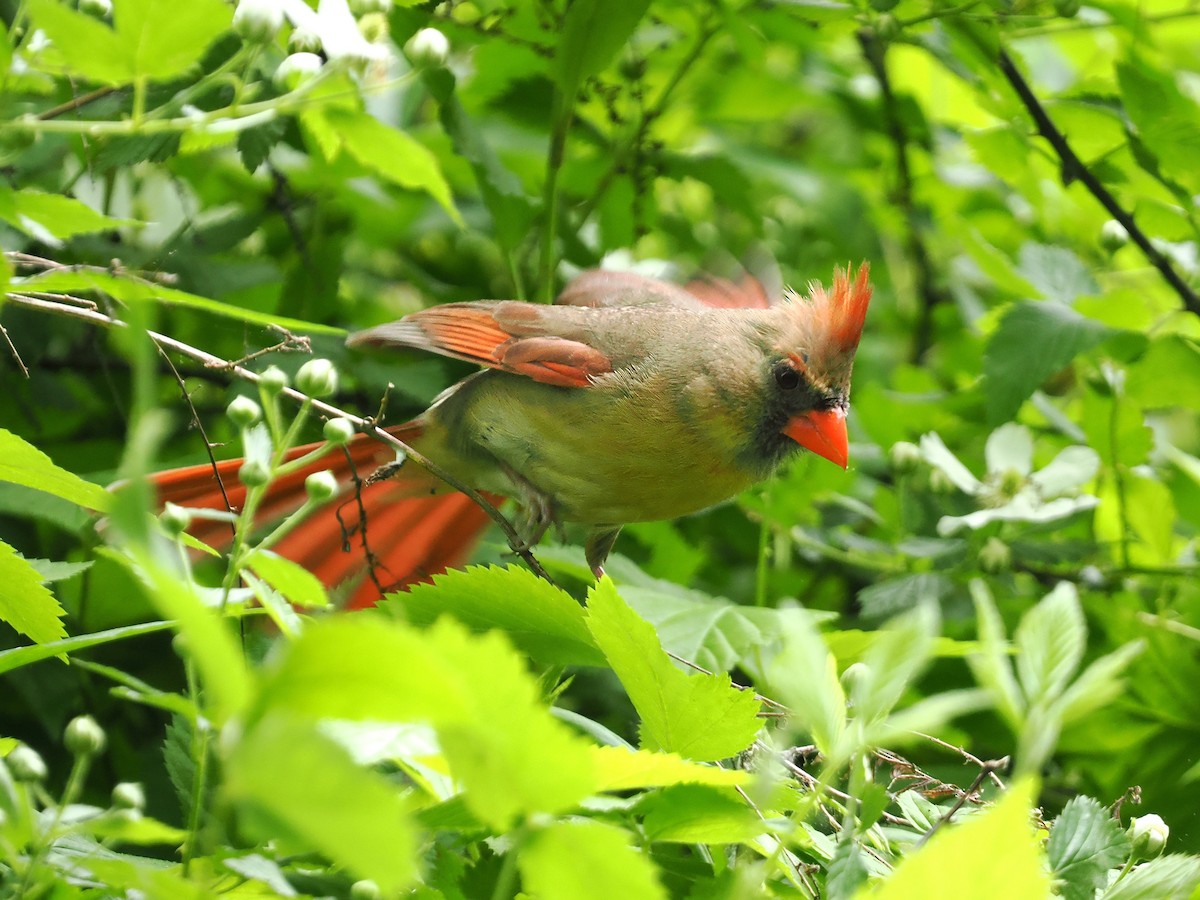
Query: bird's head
[{"x": 810, "y": 369}]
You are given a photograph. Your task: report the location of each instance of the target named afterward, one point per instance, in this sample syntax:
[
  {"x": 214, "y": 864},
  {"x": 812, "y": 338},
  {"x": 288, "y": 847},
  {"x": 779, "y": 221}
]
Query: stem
[
  {"x": 1073, "y": 168},
  {"x": 200, "y": 774},
  {"x": 1118, "y": 477},
  {"x": 507, "y": 879},
  {"x": 558, "y": 143}
]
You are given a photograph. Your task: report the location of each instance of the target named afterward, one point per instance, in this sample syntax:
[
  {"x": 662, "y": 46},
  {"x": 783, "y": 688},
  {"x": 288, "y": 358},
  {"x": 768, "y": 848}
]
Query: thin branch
[
  {"x": 367, "y": 425},
  {"x": 76, "y": 103},
  {"x": 969, "y": 757},
  {"x": 1074, "y": 168},
  {"x": 741, "y": 687},
  {"x": 13, "y": 350},
  {"x": 989, "y": 766}
]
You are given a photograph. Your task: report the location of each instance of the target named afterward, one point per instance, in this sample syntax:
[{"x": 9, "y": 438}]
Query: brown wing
[{"x": 506, "y": 335}]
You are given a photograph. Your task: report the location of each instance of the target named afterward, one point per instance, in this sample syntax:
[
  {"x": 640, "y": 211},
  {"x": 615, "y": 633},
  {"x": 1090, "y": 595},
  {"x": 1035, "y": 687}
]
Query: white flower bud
[
  {"x": 317, "y": 378},
  {"x": 428, "y": 48},
  {"x": 339, "y": 431},
  {"x": 101, "y": 9},
  {"x": 253, "y": 474},
  {"x": 321, "y": 486},
  {"x": 1148, "y": 834},
  {"x": 295, "y": 70},
  {"x": 243, "y": 412},
  {"x": 274, "y": 379},
  {"x": 175, "y": 519},
  {"x": 84, "y": 736},
  {"x": 26, "y": 764},
  {"x": 258, "y": 21}
]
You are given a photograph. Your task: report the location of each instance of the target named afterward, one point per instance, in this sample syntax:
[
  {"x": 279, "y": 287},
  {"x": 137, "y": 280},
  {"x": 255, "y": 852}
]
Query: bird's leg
[
  {"x": 538, "y": 511},
  {"x": 599, "y": 545}
]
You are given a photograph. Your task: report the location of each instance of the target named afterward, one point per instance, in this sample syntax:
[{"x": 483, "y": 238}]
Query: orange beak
[{"x": 823, "y": 431}]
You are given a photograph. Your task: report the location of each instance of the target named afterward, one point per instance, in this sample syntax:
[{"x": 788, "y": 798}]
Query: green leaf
[
  {"x": 1167, "y": 376},
  {"x": 712, "y": 633},
  {"x": 1171, "y": 877},
  {"x": 151, "y": 39},
  {"x": 58, "y": 571},
  {"x": 619, "y": 769},
  {"x": 992, "y": 667},
  {"x": 804, "y": 676},
  {"x": 502, "y": 192},
  {"x": 1085, "y": 842},
  {"x": 24, "y": 464},
  {"x": 163, "y": 39},
  {"x": 900, "y": 651},
  {"x": 509, "y": 753},
  {"x": 1056, "y": 272},
  {"x": 993, "y": 855},
  {"x": 1050, "y": 641},
  {"x": 699, "y": 814},
  {"x": 592, "y": 33},
  {"x": 586, "y": 861},
  {"x": 895, "y": 595},
  {"x": 302, "y": 788},
  {"x": 391, "y": 154},
  {"x": 1167, "y": 120},
  {"x": 298, "y": 585},
  {"x": 1099, "y": 684},
  {"x": 52, "y": 217},
  {"x": 25, "y": 603},
  {"x": 1032, "y": 342},
  {"x": 543, "y": 621},
  {"x": 701, "y": 717},
  {"x": 23, "y": 656},
  {"x": 847, "y": 870}
]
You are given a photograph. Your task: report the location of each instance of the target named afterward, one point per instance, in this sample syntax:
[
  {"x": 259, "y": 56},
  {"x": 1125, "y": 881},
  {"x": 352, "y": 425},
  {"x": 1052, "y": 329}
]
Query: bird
[{"x": 629, "y": 399}]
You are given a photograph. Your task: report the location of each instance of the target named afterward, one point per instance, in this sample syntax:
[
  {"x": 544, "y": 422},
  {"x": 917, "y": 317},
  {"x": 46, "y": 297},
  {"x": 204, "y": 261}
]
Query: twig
[
  {"x": 969, "y": 757},
  {"x": 366, "y": 425},
  {"x": 1074, "y": 168},
  {"x": 77, "y": 102},
  {"x": 989, "y": 766},
  {"x": 928, "y": 293},
  {"x": 291, "y": 343},
  {"x": 741, "y": 687},
  {"x": 810, "y": 781},
  {"x": 13, "y": 350}
]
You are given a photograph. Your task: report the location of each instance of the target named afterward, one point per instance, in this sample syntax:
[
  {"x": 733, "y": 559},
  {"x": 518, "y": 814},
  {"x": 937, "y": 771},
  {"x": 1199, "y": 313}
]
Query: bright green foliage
[
  {"x": 1006, "y": 570},
  {"x": 965, "y": 856},
  {"x": 701, "y": 717}
]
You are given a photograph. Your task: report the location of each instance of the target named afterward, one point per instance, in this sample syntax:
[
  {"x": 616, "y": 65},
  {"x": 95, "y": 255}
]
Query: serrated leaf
[
  {"x": 1085, "y": 843},
  {"x": 303, "y": 788},
  {"x": 259, "y": 868},
  {"x": 1032, "y": 342},
  {"x": 967, "y": 856},
  {"x": 254, "y": 144},
  {"x": 584, "y": 860},
  {"x": 542, "y": 620},
  {"x": 619, "y": 769},
  {"x": 1050, "y": 641},
  {"x": 25, "y": 603},
  {"x": 804, "y": 676},
  {"x": 298, "y": 585},
  {"x": 693, "y": 813},
  {"x": 57, "y": 571},
  {"x": 512, "y": 757},
  {"x": 896, "y": 595},
  {"x": 592, "y": 33},
  {"x": 392, "y": 155},
  {"x": 701, "y": 717},
  {"x": 1171, "y": 877},
  {"x": 24, "y": 464}
]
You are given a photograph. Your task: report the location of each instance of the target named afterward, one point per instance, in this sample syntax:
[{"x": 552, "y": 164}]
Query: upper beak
[{"x": 823, "y": 431}]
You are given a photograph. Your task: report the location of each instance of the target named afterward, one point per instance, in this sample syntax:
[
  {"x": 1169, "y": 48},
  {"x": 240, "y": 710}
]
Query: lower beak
[{"x": 823, "y": 431}]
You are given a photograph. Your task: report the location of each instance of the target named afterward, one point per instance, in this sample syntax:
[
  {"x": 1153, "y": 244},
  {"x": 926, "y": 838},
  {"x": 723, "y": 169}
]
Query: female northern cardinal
[{"x": 629, "y": 400}]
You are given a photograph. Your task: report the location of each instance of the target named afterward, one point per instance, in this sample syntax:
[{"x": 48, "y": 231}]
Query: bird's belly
[{"x": 603, "y": 460}]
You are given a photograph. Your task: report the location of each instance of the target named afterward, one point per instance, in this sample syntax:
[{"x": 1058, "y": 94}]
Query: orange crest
[{"x": 826, "y": 328}]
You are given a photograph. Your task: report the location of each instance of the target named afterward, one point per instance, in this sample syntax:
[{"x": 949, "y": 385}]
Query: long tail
[{"x": 386, "y": 535}]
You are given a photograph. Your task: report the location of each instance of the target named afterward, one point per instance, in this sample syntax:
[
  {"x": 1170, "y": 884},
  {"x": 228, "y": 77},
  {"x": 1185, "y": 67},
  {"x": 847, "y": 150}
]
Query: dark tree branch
[{"x": 1074, "y": 168}]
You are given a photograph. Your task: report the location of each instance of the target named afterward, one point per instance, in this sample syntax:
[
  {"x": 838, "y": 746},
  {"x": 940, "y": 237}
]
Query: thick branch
[{"x": 1073, "y": 167}]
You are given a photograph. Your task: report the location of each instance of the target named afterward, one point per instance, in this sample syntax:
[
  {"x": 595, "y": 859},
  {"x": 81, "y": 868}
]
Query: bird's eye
[{"x": 787, "y": 377}]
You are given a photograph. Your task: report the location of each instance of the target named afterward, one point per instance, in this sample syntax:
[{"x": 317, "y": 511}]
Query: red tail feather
[{"x": 407, "y": 538}]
